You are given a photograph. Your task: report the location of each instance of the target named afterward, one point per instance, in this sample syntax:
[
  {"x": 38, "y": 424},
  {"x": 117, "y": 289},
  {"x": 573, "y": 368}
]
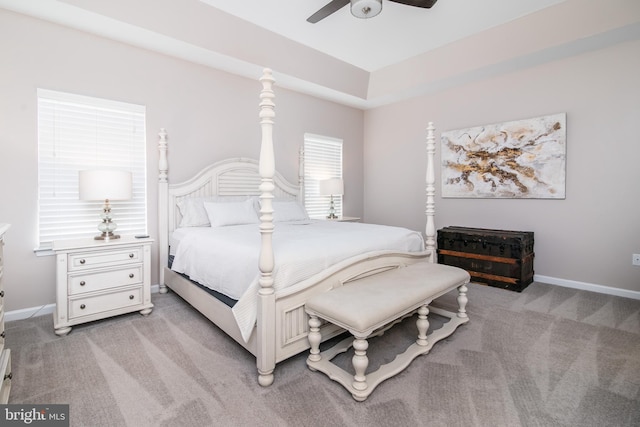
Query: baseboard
[
  {"x": 591, "y": 287},
  {"x": 26, "y": 313}
]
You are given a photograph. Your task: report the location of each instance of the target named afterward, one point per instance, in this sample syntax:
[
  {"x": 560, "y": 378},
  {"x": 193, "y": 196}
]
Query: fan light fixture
[{"x": 366, "y": 8}]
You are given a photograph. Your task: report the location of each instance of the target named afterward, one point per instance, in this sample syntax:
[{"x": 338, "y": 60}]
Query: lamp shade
[
  {"x": 104, "y": 185},
  {"x": 332, "y": 187},
  {"x": 366, "y": 8}
]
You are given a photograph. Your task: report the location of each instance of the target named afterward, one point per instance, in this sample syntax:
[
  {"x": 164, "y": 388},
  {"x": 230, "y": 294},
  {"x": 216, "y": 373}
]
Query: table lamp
[
  {"x": 332, "y": 187},
  {"x": 105, "y": 185}
]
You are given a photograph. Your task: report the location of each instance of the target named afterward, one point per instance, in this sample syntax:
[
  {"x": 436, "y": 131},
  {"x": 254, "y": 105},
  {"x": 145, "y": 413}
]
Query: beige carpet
[{"x": 549, "y": 356}]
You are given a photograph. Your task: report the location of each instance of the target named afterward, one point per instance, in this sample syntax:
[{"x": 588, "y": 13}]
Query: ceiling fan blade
[
  {"x": 328, "y": 9},
  {"x": 417, "y": 3}
]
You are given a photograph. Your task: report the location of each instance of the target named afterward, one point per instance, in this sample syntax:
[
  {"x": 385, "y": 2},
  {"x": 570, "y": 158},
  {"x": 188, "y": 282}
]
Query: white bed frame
[{"x": 281, "y": 329}]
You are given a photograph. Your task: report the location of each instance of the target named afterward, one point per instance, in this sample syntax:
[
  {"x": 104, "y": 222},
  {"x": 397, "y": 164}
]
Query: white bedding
[{"x": 226, "y": 258}]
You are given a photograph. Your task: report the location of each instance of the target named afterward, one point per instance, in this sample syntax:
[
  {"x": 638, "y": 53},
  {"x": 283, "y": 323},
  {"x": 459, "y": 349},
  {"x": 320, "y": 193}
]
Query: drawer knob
[
  {"x": 131, "y": 296},
  {"x": 82, "y": 283},
  {"x": 131, "y": 275},
  {"x": 8, "y": 376},
  {"x": 2, "y": 335},
  {"x": 82, "y": 306},
  {"x": 1, "y": 294},
  {"x": 131, "y": 255},
  {"x": 82, "y": 261}
]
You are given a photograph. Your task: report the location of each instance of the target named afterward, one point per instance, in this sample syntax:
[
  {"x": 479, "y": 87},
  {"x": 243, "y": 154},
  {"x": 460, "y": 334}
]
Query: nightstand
[
  {"x": 344, "y": 219},
  {"x": 96, "y": 279}
]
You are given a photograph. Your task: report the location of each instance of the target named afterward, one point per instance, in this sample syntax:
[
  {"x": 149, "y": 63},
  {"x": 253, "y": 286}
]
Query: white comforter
[{"x": 226, "y": 258}]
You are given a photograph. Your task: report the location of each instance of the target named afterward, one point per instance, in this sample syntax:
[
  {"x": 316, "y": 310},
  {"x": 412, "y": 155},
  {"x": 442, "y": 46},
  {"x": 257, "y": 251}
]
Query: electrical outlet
[{"x": 636, "y": 259}]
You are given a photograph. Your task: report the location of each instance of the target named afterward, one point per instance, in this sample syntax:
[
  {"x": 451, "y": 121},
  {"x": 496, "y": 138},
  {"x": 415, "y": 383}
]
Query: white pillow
[
  {"x": 193, "y": 211},
  {"x": 289, "y": 211},
  {"x": 231, "y": 213}
]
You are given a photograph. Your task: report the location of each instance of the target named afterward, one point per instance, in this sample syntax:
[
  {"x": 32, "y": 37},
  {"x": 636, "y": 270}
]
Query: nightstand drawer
[
  {"x": 96, "y": 281},
  {"x": 100, "y": 303},
  {"x": 84, "y": 260}
]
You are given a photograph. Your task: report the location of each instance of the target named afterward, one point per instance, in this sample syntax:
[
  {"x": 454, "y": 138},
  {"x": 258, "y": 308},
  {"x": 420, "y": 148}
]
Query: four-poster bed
[{"x": 278, "y": 327}]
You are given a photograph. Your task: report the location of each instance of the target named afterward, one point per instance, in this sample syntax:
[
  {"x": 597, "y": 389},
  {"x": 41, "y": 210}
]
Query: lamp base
[
  {"x": 107, "y": 226},
  {"x": 106, "y": 236},
  {"x": 332, "y": 210}
]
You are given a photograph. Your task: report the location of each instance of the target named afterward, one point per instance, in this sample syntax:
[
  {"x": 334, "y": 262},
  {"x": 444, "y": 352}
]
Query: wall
[
  {"x": 588, "y": 237},
  {"x": 209, "y": 115}
]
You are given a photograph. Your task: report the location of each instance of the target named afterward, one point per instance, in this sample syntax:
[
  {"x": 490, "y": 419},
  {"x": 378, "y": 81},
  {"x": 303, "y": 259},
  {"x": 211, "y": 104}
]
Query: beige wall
[
  {"x": 590, "y": 236},
  {"x": 209, "y": 115}
]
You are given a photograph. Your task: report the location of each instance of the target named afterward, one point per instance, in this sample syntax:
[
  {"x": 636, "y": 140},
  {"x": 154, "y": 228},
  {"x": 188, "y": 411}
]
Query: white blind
[
  {"x": 78, "y": 133},
  {"x": 322, "y": 160}
]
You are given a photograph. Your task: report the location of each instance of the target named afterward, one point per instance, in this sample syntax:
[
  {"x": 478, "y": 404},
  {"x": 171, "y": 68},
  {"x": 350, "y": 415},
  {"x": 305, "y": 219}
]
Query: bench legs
[
  {"x": 314, "y": 339},
  {"x": 361, "y": 384},
  {"x": 462, "y": 302},
  {"x": 360, "y": 362},
  {"x": 423, "y": 325}
]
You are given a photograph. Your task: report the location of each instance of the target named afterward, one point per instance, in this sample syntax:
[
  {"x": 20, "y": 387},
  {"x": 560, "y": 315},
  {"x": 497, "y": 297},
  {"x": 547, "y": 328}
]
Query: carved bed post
[
  {"x": 265, "y": 353},
  {"x": 163, "y": 220},
  {"x": 430, "y": 229}
]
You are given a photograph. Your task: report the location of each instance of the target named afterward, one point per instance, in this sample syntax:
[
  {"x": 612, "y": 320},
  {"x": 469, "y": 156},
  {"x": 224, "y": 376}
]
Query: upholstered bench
[{"x": 369, "y": 306}]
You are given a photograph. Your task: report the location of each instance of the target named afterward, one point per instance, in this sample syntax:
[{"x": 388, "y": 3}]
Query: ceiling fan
[{"x": 363, "y": 8}]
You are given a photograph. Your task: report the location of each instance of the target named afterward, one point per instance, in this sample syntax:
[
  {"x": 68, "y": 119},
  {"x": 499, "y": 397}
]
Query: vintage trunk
[{"x": 498, "y": 258}]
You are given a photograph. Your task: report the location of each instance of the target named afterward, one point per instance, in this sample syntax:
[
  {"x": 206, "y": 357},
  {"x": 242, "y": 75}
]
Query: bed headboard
[
  {"x": 231, "y": 177},
  {"x": 238, "y": 176}
]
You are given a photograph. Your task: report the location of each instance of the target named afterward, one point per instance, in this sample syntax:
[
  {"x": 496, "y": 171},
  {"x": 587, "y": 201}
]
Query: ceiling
[
  {"x": 364, "y": 63},
  {"x": 399, "y": 32}
]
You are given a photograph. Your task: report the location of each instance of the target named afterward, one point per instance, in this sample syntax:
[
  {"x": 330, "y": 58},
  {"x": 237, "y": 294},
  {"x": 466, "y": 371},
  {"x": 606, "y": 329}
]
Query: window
[
  {"x": 322, "y": 160},
  {"x": 78, "y": 133}
]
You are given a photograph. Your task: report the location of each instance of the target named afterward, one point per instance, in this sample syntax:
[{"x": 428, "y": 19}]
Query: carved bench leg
[
  {"x": 462, "y": 301},
  {"x": 360, "y": 363},
  {"x": 314, "y": 339},
  {"x": 423, "y": 325}
]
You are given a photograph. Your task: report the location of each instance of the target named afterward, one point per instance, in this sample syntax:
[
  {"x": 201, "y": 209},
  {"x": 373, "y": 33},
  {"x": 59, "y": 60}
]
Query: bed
[{"x": 268, "y": 317}]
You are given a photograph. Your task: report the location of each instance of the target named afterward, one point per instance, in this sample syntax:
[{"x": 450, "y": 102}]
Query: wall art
[{"x": 517, "y": 159}]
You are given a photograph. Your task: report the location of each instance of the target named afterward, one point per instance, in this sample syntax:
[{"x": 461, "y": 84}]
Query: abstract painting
[{"x": 517, "y": 159}]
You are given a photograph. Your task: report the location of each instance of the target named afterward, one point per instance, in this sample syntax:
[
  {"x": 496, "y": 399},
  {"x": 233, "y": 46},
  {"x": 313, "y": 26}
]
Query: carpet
[{"x": 549, "y": 356}]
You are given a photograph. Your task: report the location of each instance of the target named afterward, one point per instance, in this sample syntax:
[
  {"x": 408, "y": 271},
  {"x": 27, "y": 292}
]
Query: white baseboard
[
  {"x": 591, "y": 287},
  {"x": 26, "y": 313}
]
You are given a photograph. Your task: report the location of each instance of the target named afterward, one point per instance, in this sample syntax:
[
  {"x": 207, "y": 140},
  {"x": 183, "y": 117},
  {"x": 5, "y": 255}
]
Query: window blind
[
  {"x": 322, "y": 160},
  {"x": 79, "y": 133}
]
